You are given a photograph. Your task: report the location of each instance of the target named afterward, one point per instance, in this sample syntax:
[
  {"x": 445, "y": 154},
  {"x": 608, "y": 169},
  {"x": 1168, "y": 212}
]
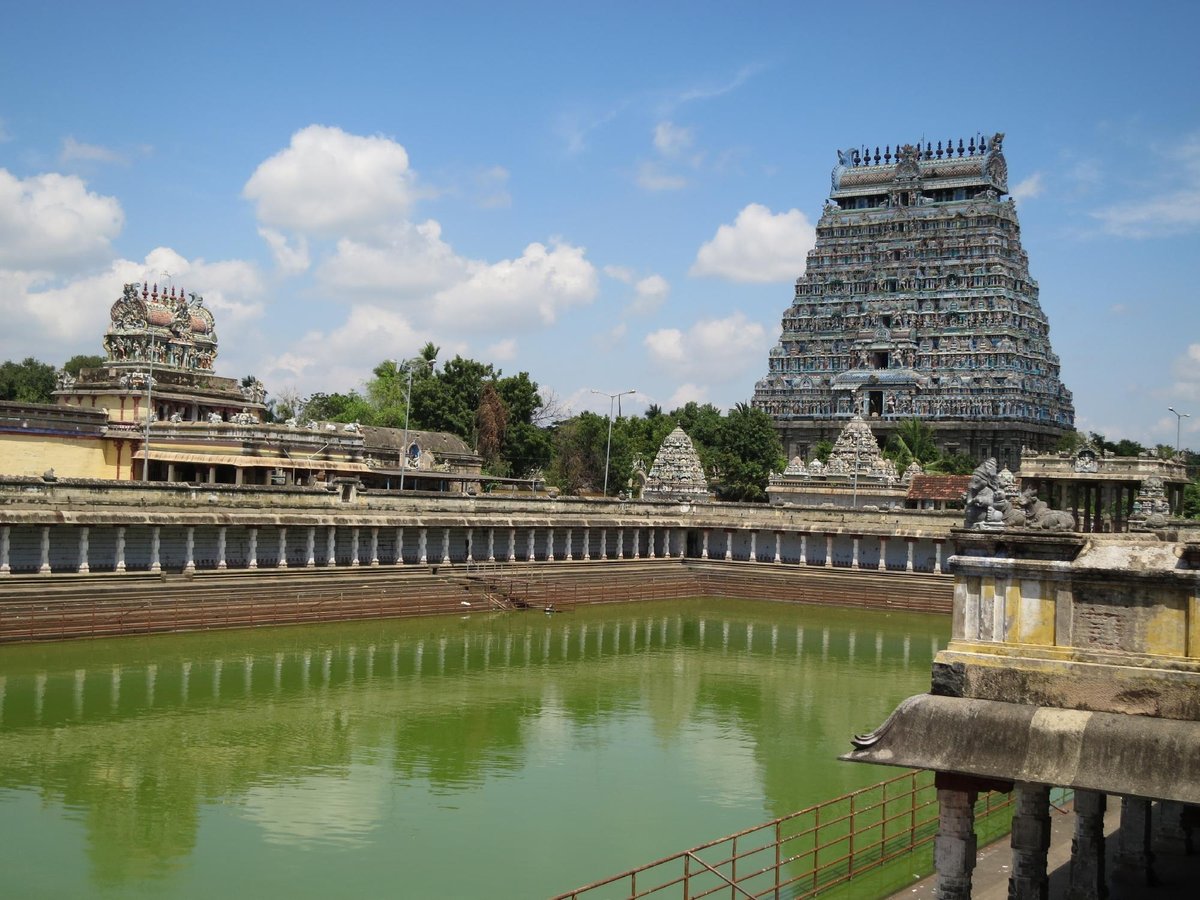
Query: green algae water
[{"x": 500, "y": 755}]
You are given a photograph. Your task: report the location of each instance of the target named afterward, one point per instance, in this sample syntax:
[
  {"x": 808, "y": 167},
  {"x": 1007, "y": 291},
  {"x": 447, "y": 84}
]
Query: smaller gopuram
[
  {"x": 677, "y": 473},
  {"x": 1074, "y": 661},
  {"x": 857, "y": 474}
]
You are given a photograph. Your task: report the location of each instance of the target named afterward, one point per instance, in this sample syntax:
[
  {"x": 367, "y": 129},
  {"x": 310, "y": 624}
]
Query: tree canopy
[{"x": 29, "y": 381}]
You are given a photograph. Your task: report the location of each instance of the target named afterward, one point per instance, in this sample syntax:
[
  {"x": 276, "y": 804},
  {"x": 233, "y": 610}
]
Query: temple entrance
[{"x": 875, "y": 403}]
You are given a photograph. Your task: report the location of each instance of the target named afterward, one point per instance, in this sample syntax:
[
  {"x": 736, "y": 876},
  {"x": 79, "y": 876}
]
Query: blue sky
[{"x": 608, "y": 196}]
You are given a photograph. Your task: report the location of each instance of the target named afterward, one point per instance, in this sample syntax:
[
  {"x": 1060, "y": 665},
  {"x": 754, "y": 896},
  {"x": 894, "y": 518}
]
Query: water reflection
[{"x": 377, "y": 736}]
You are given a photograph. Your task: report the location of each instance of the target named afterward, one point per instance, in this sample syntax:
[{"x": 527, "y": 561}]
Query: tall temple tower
[{"x": 917, "y": 301}]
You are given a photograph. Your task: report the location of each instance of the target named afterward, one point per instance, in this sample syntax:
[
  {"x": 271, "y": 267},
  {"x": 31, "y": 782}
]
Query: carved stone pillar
[
  {"x": 84, "y": 567},
  {"x": 445, "y": 546},
  {"x": 753, "y": 546},
  {"x": 704, "y": 544},
  {"x": 1087, "y": 848},
  {"x": 666, "y": 547},
  {"x": 908, "y": 563},
  {"x": 854, "y": 553},
  {"x": 423, "y": 546},
  {"x": 310, "y": 547},
  {"x": 829, "y": 551},
  {"x": 470, "y": 545},
  {"x": 1135, "y": 860},
  {"x": 882, "y": 554},
  {"x": 620, "y": 543},
  {"x": 189, "y": 556},
  {"x": 804, "y": 549},
  {"x": 729, "y": 543},
  {"x": 955, "y": 844},
  {"x": 374, "y": 545},
  {"x": 1030, "y": 842},
  {"x": 331, "y": 546},
  {"x": 399, "y": 546},
  {"x": 937, "y": 557},
  {"x": 778, "y": 543},
  {"x": 44, "y": 568},
  {"x": 252, "y": 551},
  {"x": 155, "y": 543},
  {"x": 491, "y": 557},
  {"x": 604, "y": 543},
  {"x": 570, "y": 545},
  {"x": 512, "y": 545},
  {"x": 549, "y": 545},
  {"x": 1172, "y": 832},
  {"x": 354, "y": 546},
  {"x": 650, "y": 545},
  {"x": 282, "y": 563},
  {"x": 221, "y": 562},
  {"x": 637, "y": 543},
  {"x": 530, "y": 551},
  {"x": 120, "y": 553}
]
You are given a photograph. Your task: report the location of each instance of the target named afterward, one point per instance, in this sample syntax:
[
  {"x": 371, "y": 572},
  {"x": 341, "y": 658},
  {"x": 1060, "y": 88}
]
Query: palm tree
[{"x": 913, "y": 441}]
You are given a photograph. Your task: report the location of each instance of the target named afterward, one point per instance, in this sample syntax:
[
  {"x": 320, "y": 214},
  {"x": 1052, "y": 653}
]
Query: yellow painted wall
[{"x": 33, "y": 454}]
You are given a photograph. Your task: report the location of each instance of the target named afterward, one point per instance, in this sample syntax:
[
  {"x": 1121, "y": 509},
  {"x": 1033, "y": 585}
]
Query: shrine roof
[{"x": 948, "y": 488}]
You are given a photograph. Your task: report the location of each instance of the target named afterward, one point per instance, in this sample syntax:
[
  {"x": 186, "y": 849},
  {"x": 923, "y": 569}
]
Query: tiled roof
[{"x": 938, "y": 487}]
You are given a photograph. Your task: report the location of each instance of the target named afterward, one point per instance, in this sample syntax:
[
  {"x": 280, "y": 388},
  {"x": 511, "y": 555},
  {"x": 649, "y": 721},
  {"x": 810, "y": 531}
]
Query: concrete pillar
[
  {"x": 84, "y": 568},
  {"x": 604, "y": 543},
  {"x": 374, "y": 546},
  {"x": 829, "y": 551},
  {"x": 704, "y": 545},
  {"x": 310, "y": 540},
  {"x": 1030, "y": 841},
  {"x": 1172, "y": 832},
  {"x": 937, "y": 557},
  {"x": 491, "y": 557},
  {"x": 587, "y": 543},
  {"x": 620, "y": 543},
  {"x": 252, "y": 552},
  {"x": 212, "y": 474},
  {"x": 650, "y": 545},
  {"x": 44, "y": 568},
  {"x": 221, "y": 563},
  {"x": 423, "y": 546},
  {"x": 512, "y": 545},
  {"x": 282, "y": 562},
  {"x": 1135, "y": 860},
  {"x": 155, "y": 544},
  {"x": 331, "y": 546},
  {"x": 1087, "y": 848},
  {"x": 854, "y": 554},
  {"x": 882, "y": 554},
  {"x": 955, "y": 844},
  {"x": 908, "y": 563},
  {"x": 445, "y": 546},
  {"x": 729, "y": 543},
  {"x": 549, "y": 545},
  {"x": 120, "y": 554},
  {"x": 637, "y": 543},
  {"x": 239, "y": 475},
  {"x": 354, "y": 546},
  {"x": 189, "y": 556},
  {"x": 530, "y": 550},
  {"x": 170, "y": 471},
  {"x": 804, "y": 549},
  {"x": 778, "y": 543}
]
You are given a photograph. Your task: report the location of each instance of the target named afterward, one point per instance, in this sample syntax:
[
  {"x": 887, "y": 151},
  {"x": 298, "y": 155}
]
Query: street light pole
[
  {"x": 410, "y": 365},
  {"x": 612, "y": 398},
  {"x": 1179, "y": 417}
]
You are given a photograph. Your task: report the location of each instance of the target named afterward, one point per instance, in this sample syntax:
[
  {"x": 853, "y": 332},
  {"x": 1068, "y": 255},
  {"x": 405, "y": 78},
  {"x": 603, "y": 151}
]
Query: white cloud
[
  {"x": 688, "y": 393},
  {"x": 1029, "y": 188},
  {"x": 502, "y": 351},
  {"x": 290, "y": 256},
  {"x": 620, "y": 273},
  {"x": 711, "y": 348},
  {"x": 77, "y": 151},
  {"x": 1176, "y": 211},
  {"x": 491, "y": 186},
  {"x": 653, "y": 177},
  {"x": 760, "y": 246},
  {"x": 52, "y": 222},
  {"x": 651, "y": 293},
  {"x": 1186, "y": 369},
  {"x": 328, "y": 182},
  {"x": 531, "y": 289},
  {"x": 408, "y": 260},
  {"x": 672, "y": 140}
]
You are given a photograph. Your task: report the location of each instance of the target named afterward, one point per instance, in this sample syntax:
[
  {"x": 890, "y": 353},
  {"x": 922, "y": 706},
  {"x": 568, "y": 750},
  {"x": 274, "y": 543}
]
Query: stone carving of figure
[
  {"x": 984, "y": 501},
  {"x": 1038, "y": 513}
]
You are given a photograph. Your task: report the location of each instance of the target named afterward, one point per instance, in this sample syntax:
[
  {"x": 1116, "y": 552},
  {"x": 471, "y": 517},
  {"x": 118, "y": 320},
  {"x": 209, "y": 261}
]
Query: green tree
[
  {"x": 491, "y": 425},
  {"x": 82, "y": 361},
  {"x": 578, "y": 461},
  {"x": 28, "y": 381},
  {"x": 912, "y": 440},
  {"x": 747, "y": 452},
  {"x": 1191, "y": 500},
  {"x": 822, "y": 450}
]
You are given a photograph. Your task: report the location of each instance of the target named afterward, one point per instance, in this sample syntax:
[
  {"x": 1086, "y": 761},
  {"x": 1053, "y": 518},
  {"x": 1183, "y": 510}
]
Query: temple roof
[{"x": 676, "y": 473}]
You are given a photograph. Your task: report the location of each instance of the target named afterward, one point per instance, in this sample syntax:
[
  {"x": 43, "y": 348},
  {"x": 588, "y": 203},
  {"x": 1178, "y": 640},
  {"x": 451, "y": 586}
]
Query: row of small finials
[{"x": 863, "y": 157}]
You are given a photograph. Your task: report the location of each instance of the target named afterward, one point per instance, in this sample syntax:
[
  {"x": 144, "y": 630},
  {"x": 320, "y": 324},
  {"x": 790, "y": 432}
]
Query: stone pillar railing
[
  {"x": 189, "y": 553},
  {"x": 120, "y": 552},
  {"x": 155, "y": 538},
  {"x": 83, "y": 567},
  {"x": 374, "y": 545},
  {"x": 282, "y": 562},
  {"x": 331, "y": 546},
  {"x": 252, "y": 552},
  {"x": 955, "y": 845},
  {"x": 310, "y": 541},
  {"x": 883, "y": 542},
  {"x": 354, "y": 545},
  {"x": 1030, "y": 843},
  {"x": 44, "y": 568}
]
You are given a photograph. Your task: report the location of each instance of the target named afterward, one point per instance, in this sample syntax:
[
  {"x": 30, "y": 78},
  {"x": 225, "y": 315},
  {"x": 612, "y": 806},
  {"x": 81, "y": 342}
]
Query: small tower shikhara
[
  {"x": 677, "y": 473},
  {"x": 917, "y": 301}
]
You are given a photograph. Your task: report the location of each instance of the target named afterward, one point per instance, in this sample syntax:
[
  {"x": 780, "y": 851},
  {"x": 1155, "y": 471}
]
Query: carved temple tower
[{"x": 917, "y": 301}]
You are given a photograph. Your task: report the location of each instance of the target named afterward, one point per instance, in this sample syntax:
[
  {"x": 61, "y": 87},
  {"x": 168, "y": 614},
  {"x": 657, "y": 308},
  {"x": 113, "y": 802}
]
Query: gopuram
[
  {"x": 677, "y": 473},
  {"x": 917, "y": 302}
]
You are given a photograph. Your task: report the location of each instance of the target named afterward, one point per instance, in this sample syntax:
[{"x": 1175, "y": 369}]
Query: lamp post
[
  {"x": 1179, "y": 417},
  {"x": 612, "y": 398},
  {"x": 410, "y": 365},
  {"x": 149, "y": 413}
]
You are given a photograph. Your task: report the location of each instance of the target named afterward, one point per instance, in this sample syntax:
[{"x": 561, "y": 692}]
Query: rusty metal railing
[{"x": 799, "y": 855}]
